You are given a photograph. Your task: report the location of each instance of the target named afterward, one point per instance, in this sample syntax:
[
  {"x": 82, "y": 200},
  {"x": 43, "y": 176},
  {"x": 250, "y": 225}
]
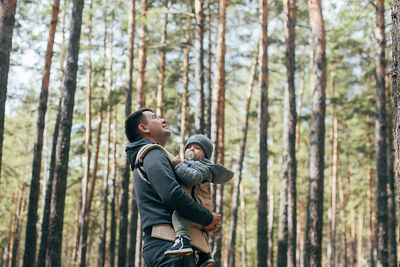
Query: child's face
[{"x": 194, "y": 152}]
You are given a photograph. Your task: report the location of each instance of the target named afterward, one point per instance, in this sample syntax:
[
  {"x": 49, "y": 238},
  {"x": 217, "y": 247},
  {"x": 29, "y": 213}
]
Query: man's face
[{"x": 155, "y": 128}]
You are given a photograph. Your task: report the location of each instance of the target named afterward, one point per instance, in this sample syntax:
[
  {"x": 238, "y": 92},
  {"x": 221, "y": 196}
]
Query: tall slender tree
[
  {"x": 396, "y": 85},
  {"x": 31, "y": 233},
  {"x": 333, "y": 178},
  {"x": 217, "y": 134},
  {"x": 41, "y": 260},
  {"x": 262, "y": 223},
  {"x": 209, "y": 66},
  {"x": 88, "y": 143},
  {"x": 391, "y": 174},
  {"x": 199, "y": 69},
  {"x": 141, "y": 81},
  {"x": 289, "y": 160},
  {"x": 163, "y": 46},
  {"x": 185, "y": 100},
  {"x": 380, "y": 138},
  {"x": 124, "y": 203},
  {"x": 313, "y": 242},
  {"x": 53, "y": 254},
  {"x": 236, "y": 187},
  {"x": 103, "y": 233},
  {"x": 7, "y": 21},
  {"x": 113, "y": 222}
]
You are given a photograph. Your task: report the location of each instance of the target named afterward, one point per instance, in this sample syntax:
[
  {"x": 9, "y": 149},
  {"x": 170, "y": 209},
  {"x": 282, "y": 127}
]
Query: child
[{"x": 196, "y": 171}]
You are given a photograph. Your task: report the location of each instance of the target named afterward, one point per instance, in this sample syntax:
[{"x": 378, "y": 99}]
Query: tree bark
[
  {"x": 88, "y": 143},
  {"x": 344, "y": 258},
  {"x": 396, "y": 87},
  {"x": 381, "y": 148},
  {"x": 44, "y": 233},
  {"x": 103, "y": 233},
  {"x": 290, "y": 164},
  {"x": 244, "y": 232},
  {"x": 333, "y": 179},
  {"x": 123, "y": 209},
  {"x": 236, "y": 187},
  {"x": 391, "y": 185},
  {"x": 141, "y": 82},
  {"x": 360, "y": 237},
  {"x": 271, "y": 229},
  {"x": 262, "y": 223},
  {"x": 299, "y": 110},
  {"x": 113, "y": 223},
  {"x": 217, "y": 135},
  {"x": 53, "y": 254},
  {"x": 185, "y": 101},
  {"x": 209, "y": 67},
  {"x": 313, "y": 242},
  {"x": 31, "y": 233},
  {"x": 7, "y": 21},
  {"x": 163, "y": 45},
  {"x": 199, "y": 69}
]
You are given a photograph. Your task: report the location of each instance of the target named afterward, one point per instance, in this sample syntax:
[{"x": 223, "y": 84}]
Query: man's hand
[
  {"x": 215, "y": 224},
  {"x": 176, "y": 160}
]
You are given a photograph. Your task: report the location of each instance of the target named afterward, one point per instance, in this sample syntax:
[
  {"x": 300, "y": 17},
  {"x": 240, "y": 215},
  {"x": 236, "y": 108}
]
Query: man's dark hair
[{"x": 132, "y": 123}]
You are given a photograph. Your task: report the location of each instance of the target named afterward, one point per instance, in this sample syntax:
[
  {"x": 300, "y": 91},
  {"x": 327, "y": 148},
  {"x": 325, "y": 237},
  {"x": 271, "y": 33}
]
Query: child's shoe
[
  {"x": 205, "y": 260},
  {"x": 180, "y": 248}
]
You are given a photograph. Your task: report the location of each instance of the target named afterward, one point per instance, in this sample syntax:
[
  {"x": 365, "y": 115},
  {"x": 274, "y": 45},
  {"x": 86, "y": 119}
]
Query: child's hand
[{"x": 176, "y": 160}]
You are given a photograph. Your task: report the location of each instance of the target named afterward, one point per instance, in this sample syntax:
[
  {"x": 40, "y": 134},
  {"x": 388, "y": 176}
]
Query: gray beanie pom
[{"x": 203, "y": 141}]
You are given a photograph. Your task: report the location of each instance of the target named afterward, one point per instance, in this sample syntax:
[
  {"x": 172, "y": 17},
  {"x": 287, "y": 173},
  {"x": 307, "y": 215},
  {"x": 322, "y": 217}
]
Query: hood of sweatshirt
[{"x": 133, "y": 148}]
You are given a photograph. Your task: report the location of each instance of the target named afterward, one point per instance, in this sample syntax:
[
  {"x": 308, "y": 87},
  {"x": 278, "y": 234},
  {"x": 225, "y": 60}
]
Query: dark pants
[{"x": 153, "y": 254}]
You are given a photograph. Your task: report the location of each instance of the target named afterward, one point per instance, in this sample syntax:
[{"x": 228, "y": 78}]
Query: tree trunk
[
  {"x": 46, "y": 205},
  {"x": 290, "y": 164},
  {"x": 16, "y": 230},
  {"x": 44, "y": 233},
  {"x": 160, "y": 88},
  {"x": 391, "y": 187},
  {"x": 185, "y": 101},
  {"x": 262, "y": 223},
  {"x": 236, "y": 187},
  {"x": 103, "y": 234},
  {"x": 396, "y": 86},
  {"x": 381, "y": 149},
  {"x": 31, "y": 233},
  {"x": 7, "y": 21},
  {"x": 218, "y": 134},
  {"x": 53, "y": 254},
  {"x": 199, "y": 69},
  {"x": 113, "y": 223},
  {"x": 88, "y": 142},
  {"x": 313, "y": 248},
  {"x": 353, "y": 240},
  {"x": 360, "y": 237},
  {"x": 244, "y": 235},
  {"x": 123, "y": 209},
  {"x": 333, "y": 179},
  {"x": 344, "y": 258},
  {"x": 140, "y": 86},
  {"x": 271, "y": 229},
  {"x": 283, "y": 223},
  {"x": 209, "y": 67},
  {"x": 299, "y": 111}
]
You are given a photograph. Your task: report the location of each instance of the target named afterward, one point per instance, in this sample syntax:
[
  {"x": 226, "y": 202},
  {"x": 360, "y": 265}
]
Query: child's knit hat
[{"x": 203, "y": 141}]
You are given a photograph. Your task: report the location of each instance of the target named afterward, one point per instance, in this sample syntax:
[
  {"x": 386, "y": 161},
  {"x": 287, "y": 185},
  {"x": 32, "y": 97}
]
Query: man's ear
[{"x": 143, "y": 128}]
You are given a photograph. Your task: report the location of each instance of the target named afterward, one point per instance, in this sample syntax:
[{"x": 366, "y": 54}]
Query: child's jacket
[{"x": 198, "y": 174}]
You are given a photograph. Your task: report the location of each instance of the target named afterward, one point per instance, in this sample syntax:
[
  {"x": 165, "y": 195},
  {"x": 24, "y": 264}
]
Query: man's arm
[{"x": 162, "y": 178}]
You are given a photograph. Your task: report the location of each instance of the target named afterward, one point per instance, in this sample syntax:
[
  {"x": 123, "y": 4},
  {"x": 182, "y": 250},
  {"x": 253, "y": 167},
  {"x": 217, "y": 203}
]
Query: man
[{"x": 162, "y": 194}]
